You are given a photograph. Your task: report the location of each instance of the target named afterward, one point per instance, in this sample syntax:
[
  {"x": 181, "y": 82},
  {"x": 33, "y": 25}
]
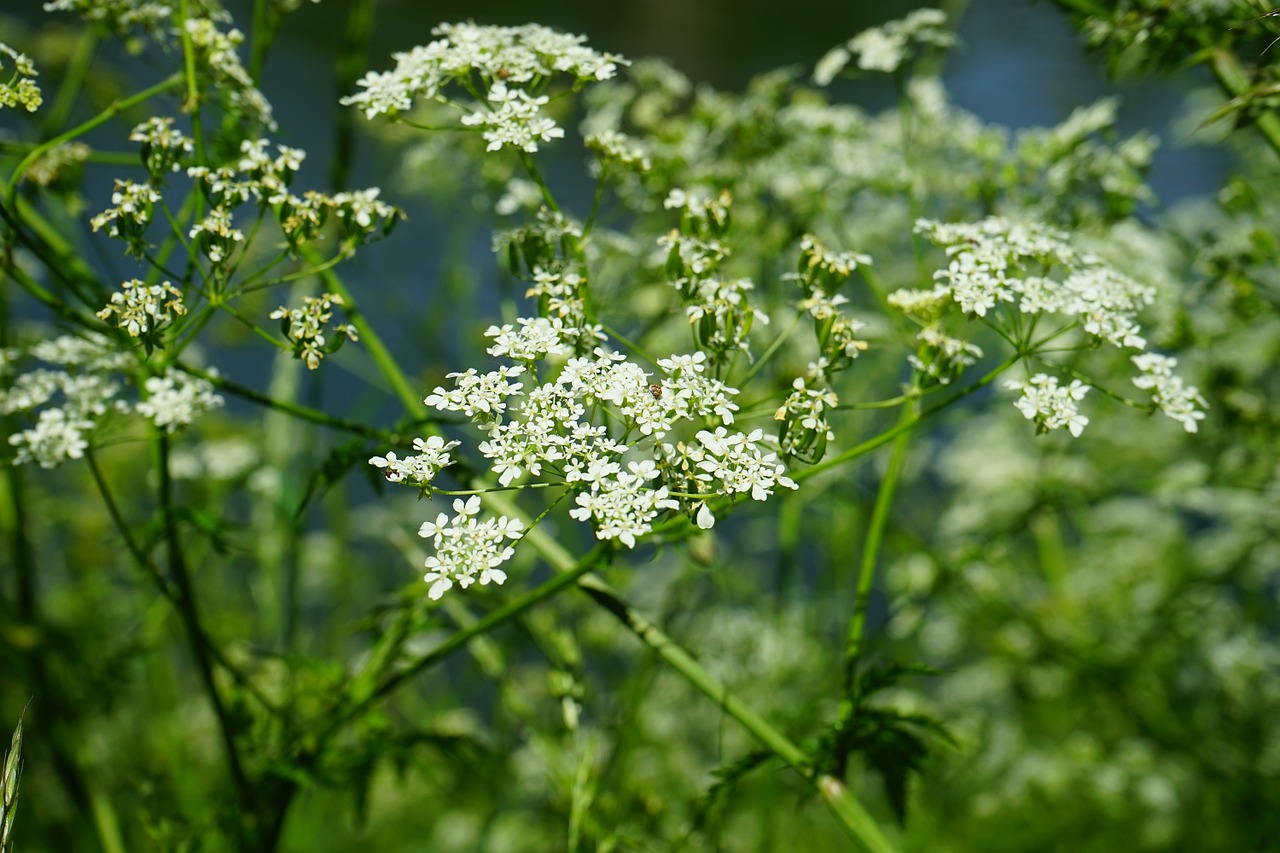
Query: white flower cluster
[
  {"x": 141, "y": 309},
  {"x": 81, "y": 385},
  {"x": 514, "y": 118},
  {"x": 176, "y": 399},
  {"x": 21, "y": 89},
  {"x": 304, "y": 327},
  {"x": 602, "y": 427},
  {"x": 1051, "y": 406},
  {"x": 988, "y": 260},
  {"x": 163, "y": 147},
  {"x": 130, "y": 215},
  {"x": 467, "y": 549},
  {"x": 256, "y": 176},
  {"x": 884, "y": 48},
  {"x": 63, "y": 159},
  {"x": 1176, "y": 400},
  {"x": 120, "y": 15},
  {"x": 995, "y": 262},
  {"x": 216, "y": 51},
  {"x": 514, "y": 66},
  {"x": 421, "y": 468},
  {"x": 805, "y": 430},
  {"x": 616, "y": 147},
  {"x": 837, "y": 265}
]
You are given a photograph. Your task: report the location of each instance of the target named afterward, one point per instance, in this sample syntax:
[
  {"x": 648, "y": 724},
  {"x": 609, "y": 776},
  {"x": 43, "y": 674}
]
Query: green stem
[
  {"x": 1232, "y": 78},
  {"x": 860, "y": 825},
  {"x": 871, "y": 553},
  {"x": 299, "y": 411},
  {"x": 196, "y": 635},
  {"x": 101, "y": 118},
  {"x": 409, "y": 396},
  {"x": 892, "y": 433},
  {"x": 73, "y": 82}
]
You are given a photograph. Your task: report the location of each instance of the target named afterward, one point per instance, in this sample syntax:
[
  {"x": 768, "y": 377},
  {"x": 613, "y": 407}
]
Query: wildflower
[
  {"x": 421, "y": 468},
  {"x": 176, "y": 399},
  {"x": 141, "y": 309},
  {"x": 1168, "y": 393},
  {"x": 54, "y": 439},
  {"x": 466, "y": 549},
  {"x": 884, "y": 48},
  {"x": 21, "y": 90},
  {"x": 163, "y": 148},
  {"x": 623, "y": 506},
  {"x": 986, "y": 268},
  {"x": 536, "y": 338},
  {"x": 805, "y": 431},
  {"x": 304, "y": 327},
  {"x": 617, "y": 148},
  {"x": 513, "y": 118},
  {"x": 477, "y": 395},
  {"x": 940, "y": 356},
  {"x": 1051, "y": 406},
  {"x": 513, "y": 58},
  {"x": 216, "y": 236}
]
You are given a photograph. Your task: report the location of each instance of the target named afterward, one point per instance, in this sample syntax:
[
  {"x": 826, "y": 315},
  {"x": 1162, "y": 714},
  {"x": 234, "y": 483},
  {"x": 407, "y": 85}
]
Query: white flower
[
  {"x": 1175, "y": 400},
  {"x": 883, "y": 48},
  {"x": 831, "y": 64},
  {"x": 514, "y": 119},
  {"x": 734, "y": 463},
  {"x": 477, "y": 395},
  {"x": 467, "y": 549},
  {"x": 623, "y": 506},
  {"x": 537, "y": 337},
  {"x": 176, "y": 399},
  {"x": 509, "y": 57},
  {"x": 53, "y": 440},
  {"x": 421, "y": 468},
  {"x": 1049, "y": 405},
  {"x": 140, "y": 308}
]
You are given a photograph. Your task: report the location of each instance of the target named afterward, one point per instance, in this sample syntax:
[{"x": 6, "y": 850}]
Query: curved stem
[{"x": 101, "y": 118}]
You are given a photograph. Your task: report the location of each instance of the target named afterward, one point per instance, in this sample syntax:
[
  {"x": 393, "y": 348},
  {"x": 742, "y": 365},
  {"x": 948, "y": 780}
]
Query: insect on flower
[{"x": 656, "y": 391}]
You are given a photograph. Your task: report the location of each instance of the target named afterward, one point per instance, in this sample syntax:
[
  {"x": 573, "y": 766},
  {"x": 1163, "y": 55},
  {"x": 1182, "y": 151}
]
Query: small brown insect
[
  {"x": 656, "y": 391},
  {"x": 502, "y": 73}
]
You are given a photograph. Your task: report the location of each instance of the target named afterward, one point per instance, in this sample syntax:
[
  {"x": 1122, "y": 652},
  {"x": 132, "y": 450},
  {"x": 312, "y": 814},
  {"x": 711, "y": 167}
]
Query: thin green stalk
[
  {"x": 892, "y": 433},
  {"x": 484, "y": 625},
  {"x": 73, "y": 81},
  {"x": 196, "y": 635},
  {"x": 860, "y": 825},
  {"x": 101, "y": 118},
  {"x": 408, "y": 394},
  {"x": 871, "y": 553},
  {"x": 297, "y": 410}
]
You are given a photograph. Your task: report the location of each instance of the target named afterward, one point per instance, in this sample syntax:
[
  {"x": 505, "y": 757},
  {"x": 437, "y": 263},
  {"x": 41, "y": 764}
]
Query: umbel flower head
[
  {"x": 601, "y": 427},
  {"x": 513, "y": 66},
  {"x": 997, "y": 265}
]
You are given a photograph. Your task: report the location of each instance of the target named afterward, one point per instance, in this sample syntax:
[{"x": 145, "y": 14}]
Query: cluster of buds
[
  {"x": 718, "y": 307},
  {"x": 304, "y": 327},
  {"x": 804, "y": 429}
]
